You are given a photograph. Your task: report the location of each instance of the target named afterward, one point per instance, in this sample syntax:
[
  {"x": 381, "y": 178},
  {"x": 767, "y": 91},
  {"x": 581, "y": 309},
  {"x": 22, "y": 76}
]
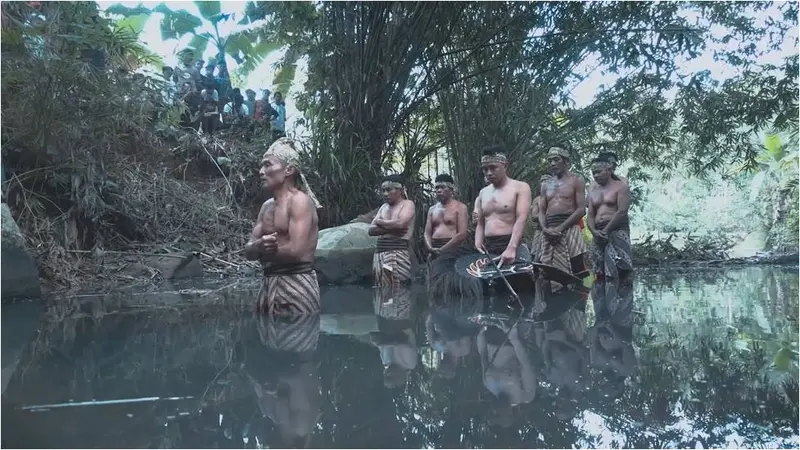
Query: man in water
[
  {"x": 503, "y": 208},
  {"x": 285, "y": 235},
  {"x": 608, "y": 222},
  {"x": 561, "y": 205},
  {"x": 394, "y": 225},
  {"x": 446, "y": 227},
  {"x": 445, "y": 230},
  {"x": 536, "y": 244}
]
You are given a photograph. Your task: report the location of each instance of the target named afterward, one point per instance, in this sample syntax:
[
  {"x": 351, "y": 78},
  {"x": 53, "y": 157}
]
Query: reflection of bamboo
[{"x": 103, "y": 402}]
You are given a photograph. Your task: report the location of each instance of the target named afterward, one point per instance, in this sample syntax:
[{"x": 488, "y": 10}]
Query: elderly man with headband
[
  {"x": 561, "y": 206},
  {"x": 285, "y": 235},
  {"x": 394, "y": 226},
  {"x": 609, "y": 202}
]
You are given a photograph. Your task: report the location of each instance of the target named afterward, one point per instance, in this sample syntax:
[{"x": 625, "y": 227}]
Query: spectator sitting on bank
[{"x": 235, "y": 111}]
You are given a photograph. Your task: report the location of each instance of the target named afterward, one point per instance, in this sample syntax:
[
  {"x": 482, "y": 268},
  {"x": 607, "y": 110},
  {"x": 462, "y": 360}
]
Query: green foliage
[{"x": 245, "y": 46}]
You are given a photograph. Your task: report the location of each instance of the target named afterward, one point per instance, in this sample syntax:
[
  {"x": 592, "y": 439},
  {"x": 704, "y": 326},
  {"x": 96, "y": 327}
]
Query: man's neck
[
  {"x": 283, "y": 191},
  {"x": 446, "y": 201},
  {"x": 501, "y": 183},
  {"x": 563, "y": 174}
]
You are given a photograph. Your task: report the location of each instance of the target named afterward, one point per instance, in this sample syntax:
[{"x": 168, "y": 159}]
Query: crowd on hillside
[{"x": 210, "y": 103}]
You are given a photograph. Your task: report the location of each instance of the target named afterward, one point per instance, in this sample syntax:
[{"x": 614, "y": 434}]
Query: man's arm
[
  {"x": 374, "y": 228},
  {"x": 429, "y": 229},
  {"x": 461, "y": 229},
  {"x": 623, "y": 204},
  {"x": 580, "y": 206},
  {"x": 479, "y": 226},
  {"x": 543, "y": 206},
  {"x": 251, "y": 250},
  {"x": 403, "y": 219},
  {"x": 590, "y": 216},
  {"x": 301, "y": 211},
  {"x": 523, "y": 208}
]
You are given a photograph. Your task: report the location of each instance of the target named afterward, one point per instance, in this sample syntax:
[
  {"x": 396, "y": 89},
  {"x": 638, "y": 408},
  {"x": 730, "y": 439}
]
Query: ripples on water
[{"x": 702, "y": 359}]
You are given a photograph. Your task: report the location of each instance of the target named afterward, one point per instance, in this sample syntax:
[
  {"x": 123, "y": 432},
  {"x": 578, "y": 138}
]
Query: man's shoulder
[
  {"x": 520, "y": 185},
  {"x": 409, "y": 202}
]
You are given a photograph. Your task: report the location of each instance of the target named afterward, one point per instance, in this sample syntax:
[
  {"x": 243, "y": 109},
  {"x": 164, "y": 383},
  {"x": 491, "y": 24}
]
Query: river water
[{"x": 699, "y": 359}]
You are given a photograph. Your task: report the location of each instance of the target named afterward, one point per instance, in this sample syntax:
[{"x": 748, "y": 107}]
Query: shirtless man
[
  {"x": 285, "y": 235},
  {"x": 608, "y": 222},
  {"x": 446, "y": 227},
  {"x": 611, "y": 157},
  {"x": 394, "y": 225},
  {"x": 502, "y": 207},
  {"x": 561, "y": 205},
  {"x": 445, "y": 231}
]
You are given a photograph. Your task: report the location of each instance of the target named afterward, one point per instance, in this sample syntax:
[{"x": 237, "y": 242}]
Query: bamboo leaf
[
  {"x": 285, "y": 76},
  {"x": 132, "y": 24},
  {"x": 122, "y": 10}
]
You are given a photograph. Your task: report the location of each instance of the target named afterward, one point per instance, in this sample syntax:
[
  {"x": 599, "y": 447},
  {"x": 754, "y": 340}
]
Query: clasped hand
[{"x": 267, "y": 244}]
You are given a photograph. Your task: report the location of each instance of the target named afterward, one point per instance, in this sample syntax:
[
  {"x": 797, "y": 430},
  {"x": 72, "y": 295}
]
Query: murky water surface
[{"x": 705, "y": 359}]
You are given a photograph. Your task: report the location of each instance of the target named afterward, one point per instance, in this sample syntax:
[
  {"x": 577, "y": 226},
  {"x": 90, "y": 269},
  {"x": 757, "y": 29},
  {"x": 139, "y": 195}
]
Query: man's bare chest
[
  {"x": 444, "y": 216},
  {"x": 498, "y": 202}
]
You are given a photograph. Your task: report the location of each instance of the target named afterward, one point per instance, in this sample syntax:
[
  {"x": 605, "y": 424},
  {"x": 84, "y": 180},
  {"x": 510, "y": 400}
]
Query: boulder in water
[
  {"x": 20, "y": 276},
  {"x": 344, "y": 254}
]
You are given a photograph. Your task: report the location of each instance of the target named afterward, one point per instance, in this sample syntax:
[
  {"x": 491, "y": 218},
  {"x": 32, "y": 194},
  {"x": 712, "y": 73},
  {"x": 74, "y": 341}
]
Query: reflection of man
[
  {"x": 285, "y": 235},
  {"x": 507, "y": 371},
  {"x": 285, "y": 380},
  {"x": 608, "y": 221},
  {"x": 395, "y": 338},
  {"x": 561, "y": 205},
  {"x": 394, "y": 226},
  {"x": 611, "y": 337},
  {"x": 450, "y": 333}
]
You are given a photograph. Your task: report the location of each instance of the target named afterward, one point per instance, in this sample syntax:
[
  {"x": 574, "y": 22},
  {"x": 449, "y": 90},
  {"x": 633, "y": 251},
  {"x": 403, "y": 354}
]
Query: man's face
[
  {"x": 273, "y": 172},
  {"x": 186, "y": 87},
  {"x": 167, "y": 73},
  {"x": 556, "y": 164},
  {"x": 251, "y": 95},
  {"x": 278, "y": 97},
  {"x": 601, "y": 175},
  {"x": 494, "y": 171},
  {"x": 209, "y": 71},
  {"x": 391, "y": 194},
  {"x": 443, "y": 193},
  {"x": 199, "y": 64}
]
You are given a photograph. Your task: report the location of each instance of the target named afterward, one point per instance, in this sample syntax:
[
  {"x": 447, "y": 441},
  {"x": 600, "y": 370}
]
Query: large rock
[
  {"x": 344, "y": 254},
  {"x": 20, "y": 276}
]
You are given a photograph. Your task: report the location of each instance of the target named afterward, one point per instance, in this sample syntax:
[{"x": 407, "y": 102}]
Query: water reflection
[
  {"x": 285, "y": 379},
  {"x": 670, "y": 361},
  {"x": 395, "y": 339}
]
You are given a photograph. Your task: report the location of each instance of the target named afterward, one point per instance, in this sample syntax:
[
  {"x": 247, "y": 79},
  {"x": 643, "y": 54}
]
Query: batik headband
[
  {"x": 286, "y": 150},
  {"x": 495, "y": 158},
  {"x": 558, "y": 151},
  {"x": 391, "y": 185}
]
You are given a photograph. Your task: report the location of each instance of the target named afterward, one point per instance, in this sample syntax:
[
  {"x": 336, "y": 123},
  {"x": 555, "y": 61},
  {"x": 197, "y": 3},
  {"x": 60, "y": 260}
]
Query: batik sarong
[
  {"x": 442, "y": 280},
  {"x": 391, "y": 263},
  {"x": 289, "y": 289},
  {"x": 522, "y": 284},
  {"x": 568, "y": 252},
  {"x": 609, "y": 258}
]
